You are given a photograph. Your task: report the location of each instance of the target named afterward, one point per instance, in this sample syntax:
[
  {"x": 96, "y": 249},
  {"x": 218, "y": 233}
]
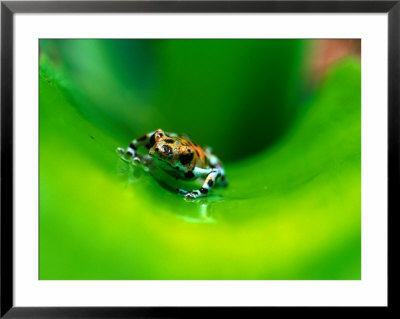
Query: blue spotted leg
[
  {"x": 212, "y": 176},
  {"x": 131, "y": 153}
]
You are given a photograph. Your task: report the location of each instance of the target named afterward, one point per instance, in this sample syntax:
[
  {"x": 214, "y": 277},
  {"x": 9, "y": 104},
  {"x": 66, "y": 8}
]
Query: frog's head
[{"x": 171, "y": 151}]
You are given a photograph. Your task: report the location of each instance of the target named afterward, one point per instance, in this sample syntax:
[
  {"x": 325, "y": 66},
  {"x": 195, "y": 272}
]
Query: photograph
[{"x": 199, "y": 159}]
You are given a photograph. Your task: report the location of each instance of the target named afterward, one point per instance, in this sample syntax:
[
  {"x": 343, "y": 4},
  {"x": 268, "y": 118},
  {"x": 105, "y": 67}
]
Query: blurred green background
[{"x": 284, "y": 117}]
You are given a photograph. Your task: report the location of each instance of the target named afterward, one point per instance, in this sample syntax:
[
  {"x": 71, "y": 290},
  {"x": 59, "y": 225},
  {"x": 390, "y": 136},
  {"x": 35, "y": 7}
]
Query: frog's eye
[
  {"x": 159, "y": 134},
  {"x": 166, "y": 149},
  {"x": 186, "y": 158}
]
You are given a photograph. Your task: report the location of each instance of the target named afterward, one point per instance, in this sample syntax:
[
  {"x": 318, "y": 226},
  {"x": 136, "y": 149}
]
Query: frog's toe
[
  {"x": 136, "y": 160},
  {"x": 120, "y": 151},
  {"x": 122, "y": 154},
  {"x": 192, "y": 194}
]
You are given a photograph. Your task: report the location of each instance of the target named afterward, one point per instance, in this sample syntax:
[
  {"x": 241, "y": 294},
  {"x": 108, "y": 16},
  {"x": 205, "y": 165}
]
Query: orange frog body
[{"x": 179, "y": 157}]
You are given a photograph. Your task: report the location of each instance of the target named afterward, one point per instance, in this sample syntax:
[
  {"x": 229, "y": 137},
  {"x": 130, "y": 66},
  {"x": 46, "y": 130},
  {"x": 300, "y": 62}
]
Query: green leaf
[{"x": 292, "y": 210}]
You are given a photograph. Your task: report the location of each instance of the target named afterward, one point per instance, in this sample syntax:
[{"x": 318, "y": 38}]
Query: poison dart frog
[{"x": 179, "y": 157}]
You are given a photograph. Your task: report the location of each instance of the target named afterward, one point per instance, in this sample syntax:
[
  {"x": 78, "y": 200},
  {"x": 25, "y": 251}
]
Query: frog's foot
[
  {"x": 196, "y": 193},
  {"x": 124, "y": 154},
  {"x": 127, "y": 156},
  {"x": 121, "y": 151},
  {"x": 192, "y": 194}
]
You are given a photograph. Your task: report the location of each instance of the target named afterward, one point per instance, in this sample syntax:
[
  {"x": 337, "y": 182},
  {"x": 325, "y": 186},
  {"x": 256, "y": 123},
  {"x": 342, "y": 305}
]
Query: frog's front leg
[
  {"x": 130, "y": 153},
  {"x": 131, "y": 150},
  {"x": 212, "y": 176}
]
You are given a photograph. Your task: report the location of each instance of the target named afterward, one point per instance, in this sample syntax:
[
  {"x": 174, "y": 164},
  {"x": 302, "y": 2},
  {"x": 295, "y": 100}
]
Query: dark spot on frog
[
  {"x": 152, "y": 140},
  {"x": 132, "y": 146},
  {"x": 210, "y": 183},
  {"x": 203, "y": 190},
  {"x": 189, "y": 174},
  {"x": 169, "y": 141},
  {"x": 186, "y": 158},
  {"x": 142, "y": 138},
  {"x": 92, "y": 137}
]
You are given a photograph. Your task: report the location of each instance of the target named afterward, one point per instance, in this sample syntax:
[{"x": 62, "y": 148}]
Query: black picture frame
[{"x": 9, "y": 8}]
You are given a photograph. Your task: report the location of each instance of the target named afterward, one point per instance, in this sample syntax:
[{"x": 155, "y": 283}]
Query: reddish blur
[{"x": 326, "y": 52}]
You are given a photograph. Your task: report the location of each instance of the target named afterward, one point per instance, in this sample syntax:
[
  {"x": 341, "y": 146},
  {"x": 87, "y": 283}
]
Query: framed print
[{"x": 183, "y": 158}]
